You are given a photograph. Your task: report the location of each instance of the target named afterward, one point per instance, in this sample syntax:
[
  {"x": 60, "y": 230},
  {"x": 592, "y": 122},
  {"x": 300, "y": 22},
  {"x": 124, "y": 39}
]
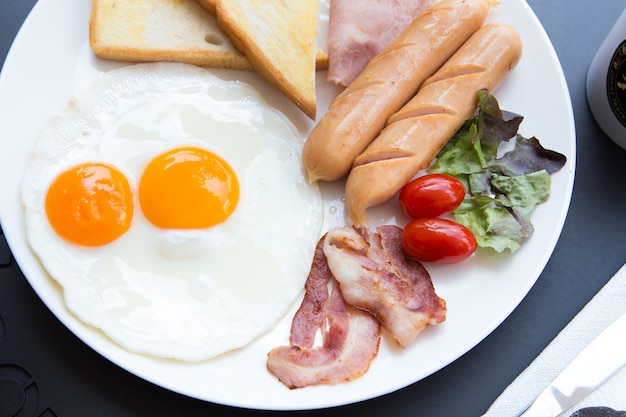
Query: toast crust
[
  {"x": 165, "y": 30},
  {"x": 279, "y": 39}
]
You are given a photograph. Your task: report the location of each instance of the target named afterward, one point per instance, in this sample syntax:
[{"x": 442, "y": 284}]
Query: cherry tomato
[
  {"x": 438, "y": 240},
  {"x": 431, "y": 195}
]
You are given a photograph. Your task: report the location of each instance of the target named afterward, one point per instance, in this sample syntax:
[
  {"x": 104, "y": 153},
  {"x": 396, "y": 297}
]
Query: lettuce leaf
[{"x": 502, "y": 191}]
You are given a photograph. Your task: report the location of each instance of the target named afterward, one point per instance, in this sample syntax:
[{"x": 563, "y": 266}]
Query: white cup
[{"x": 606, "y": 83}]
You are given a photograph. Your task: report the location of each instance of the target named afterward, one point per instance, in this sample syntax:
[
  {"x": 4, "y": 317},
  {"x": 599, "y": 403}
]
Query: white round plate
[{"x": 50, "y": 62}]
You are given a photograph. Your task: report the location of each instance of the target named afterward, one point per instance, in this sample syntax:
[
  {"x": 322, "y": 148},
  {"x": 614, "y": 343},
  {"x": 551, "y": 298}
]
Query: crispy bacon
[
  {"x": 311, "y": 315},
  {"x": 376, "y": 275},
  {"x": 350, "y": 342},
  {"x": 372, "y": 282},
  {"x": 360, "y": 29}
]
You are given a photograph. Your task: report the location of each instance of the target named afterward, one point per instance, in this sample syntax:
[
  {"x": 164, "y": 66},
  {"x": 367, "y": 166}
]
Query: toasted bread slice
[
  {"x": 160, "y": 30},
  {"x": 164, "y": 30},
  {"x": 279, "y": 39}
]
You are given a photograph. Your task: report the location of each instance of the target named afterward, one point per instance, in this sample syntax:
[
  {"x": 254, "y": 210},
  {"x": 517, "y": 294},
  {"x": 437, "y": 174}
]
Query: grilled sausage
[
  {"x": 414, "y": 134},
  {"x": 390, "y": 79}
]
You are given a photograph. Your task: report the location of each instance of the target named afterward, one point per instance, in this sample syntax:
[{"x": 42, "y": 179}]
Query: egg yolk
[
  {"x": 188, "y": 188},
  {"x": 90, "y": 204}
]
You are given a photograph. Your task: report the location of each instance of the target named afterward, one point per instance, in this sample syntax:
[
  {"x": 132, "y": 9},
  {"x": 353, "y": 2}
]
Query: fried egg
[{"x": 172, "y": 208}]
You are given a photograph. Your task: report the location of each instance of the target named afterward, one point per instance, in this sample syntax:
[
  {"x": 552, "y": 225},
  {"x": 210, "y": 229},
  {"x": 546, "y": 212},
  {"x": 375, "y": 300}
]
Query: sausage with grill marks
[
  {"x": 415, "y": 133},
  {"x": 390, "y": 79}
]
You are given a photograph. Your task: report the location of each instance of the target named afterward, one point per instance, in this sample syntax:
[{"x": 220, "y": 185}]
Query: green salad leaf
[{"x": 502, "y": 191}]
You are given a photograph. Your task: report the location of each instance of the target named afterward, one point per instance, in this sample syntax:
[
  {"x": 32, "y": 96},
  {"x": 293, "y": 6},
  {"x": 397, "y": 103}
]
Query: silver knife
[{"x": 600, "y": 359}]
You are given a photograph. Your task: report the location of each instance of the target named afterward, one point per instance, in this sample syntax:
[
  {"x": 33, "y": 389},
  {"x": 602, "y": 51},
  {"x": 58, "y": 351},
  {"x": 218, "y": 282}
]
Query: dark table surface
[{"x": 47, "y": 369}]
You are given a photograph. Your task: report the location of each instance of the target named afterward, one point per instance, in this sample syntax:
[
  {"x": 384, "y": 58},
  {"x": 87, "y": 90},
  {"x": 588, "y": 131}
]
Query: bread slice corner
[
  {"x": 279, "y": 39},
  {"x": 160, "y": 30}
]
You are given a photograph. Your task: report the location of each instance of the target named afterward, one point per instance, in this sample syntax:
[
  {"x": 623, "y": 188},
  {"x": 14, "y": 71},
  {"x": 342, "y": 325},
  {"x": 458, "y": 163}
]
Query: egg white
[{"x": 183, "y": 294}]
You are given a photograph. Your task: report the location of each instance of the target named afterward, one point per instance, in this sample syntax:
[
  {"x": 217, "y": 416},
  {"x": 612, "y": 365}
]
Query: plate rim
[{"x": 76, "y": 327}]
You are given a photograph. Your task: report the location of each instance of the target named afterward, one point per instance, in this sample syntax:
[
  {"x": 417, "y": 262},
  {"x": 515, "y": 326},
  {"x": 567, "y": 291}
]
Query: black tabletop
[{"x": 46, "y": 371}]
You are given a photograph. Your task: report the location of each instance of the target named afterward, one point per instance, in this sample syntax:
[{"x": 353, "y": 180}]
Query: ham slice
[
  {"x": 350, "y": 342},
  {"x": 360, "y": 29},
  {"x": 377, "y": 276}
]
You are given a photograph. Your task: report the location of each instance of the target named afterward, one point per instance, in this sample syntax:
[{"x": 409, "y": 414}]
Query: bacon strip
[
  {"x": 311, "y": 315},
  {"x": 375, "y": 275},
  {"x": 350, "y": 342}
]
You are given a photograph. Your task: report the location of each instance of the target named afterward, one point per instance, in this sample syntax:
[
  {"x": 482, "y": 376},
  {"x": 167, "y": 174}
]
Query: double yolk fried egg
[{"x": 172, "y": 208}]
